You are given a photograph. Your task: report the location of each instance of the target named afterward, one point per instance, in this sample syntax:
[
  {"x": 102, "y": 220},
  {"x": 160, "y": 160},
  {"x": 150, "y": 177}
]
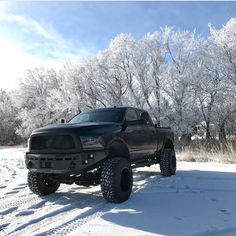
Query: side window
[
  {"x": 145, "y": 118},
  {"x": 131, "y": 115}
]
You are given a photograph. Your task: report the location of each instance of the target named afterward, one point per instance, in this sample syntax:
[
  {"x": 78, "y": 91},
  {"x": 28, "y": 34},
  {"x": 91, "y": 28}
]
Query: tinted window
[
  {"x": 144, "y": 116},
  {"x": 99, "y": 116},
  {"x": 131, "y": 115}
]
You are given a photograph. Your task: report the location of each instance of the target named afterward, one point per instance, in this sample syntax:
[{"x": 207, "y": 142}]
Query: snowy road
[{"x": 199, "y": 200}]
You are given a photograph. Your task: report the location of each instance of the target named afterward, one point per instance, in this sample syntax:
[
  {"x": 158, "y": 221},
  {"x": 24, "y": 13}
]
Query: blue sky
[{"x": 39, "y": 33}]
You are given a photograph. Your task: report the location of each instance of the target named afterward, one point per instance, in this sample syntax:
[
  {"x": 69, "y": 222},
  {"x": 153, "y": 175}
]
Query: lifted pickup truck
[{"x": 98, "y": 147}]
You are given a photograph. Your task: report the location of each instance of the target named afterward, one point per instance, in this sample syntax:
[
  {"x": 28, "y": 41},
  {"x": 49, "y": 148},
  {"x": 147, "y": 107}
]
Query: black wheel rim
[
  {"x": 173, "y": 162},
  {"x": 48, "y": 182},
  {"x": 125, "y": 181}
]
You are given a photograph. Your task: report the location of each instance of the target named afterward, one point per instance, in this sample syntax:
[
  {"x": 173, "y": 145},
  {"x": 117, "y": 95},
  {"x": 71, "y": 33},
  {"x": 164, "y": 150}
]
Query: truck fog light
[
  {"x": 85, "y": 162},
  {"x": 91, "y": 156}
]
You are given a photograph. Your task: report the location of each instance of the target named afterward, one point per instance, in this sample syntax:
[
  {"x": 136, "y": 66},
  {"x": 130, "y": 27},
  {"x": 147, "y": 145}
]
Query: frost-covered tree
[
  {"x": 224, "y": 40},
  {"x": 66, "y": 98},
  {"x": 182, "y": 56},
  {"x": 208, "y": 85},
  {"x": 106, "y": 82},
  {"x": 31, "y": 99},
  {"x": 149, "y": 66},
  {"x": 121, "y": 51},
  {"x": 9, "y": 121}
]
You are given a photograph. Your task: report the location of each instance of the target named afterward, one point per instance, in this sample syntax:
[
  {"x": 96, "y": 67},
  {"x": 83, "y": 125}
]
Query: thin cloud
[
  {"x": 25, "y": 44},
  {"x": 31, "y": 25},
  {"x": 41, "y": 40}
]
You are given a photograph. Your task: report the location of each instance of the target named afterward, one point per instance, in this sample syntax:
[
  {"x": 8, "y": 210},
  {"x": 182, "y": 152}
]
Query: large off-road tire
[
  {"x": 116, "y": 180},
  {"x": 41, "y": 184},
  {"x": 168, "y": 162}
]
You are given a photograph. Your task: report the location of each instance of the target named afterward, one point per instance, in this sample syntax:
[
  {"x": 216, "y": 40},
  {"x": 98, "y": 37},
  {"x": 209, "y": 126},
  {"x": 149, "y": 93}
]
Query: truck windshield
[{"x": 115, "y": 116}]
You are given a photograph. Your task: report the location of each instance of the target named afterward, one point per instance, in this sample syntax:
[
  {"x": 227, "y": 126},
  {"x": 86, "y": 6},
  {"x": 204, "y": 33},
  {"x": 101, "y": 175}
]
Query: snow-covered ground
[{"x": 199, "y": 200}]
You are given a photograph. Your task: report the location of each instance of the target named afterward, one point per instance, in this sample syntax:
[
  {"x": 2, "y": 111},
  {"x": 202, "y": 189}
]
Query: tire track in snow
[
  {"x": 83, "y": 218},
  {"x": 100, "y": 210},
  {"x": 11, "y": 177},
  {"x": 12, "y": 194},
  {"x": 11, "y": 191},
  {"x": 20, "y": 201},
  {"x": 53, "y": 216}
]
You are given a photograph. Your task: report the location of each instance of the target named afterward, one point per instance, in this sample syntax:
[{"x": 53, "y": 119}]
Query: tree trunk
[
  {"x": 159, "y": 112},
  {"x": 158, "y": 98},
  {"x": 208, "y": 133},
  {"x": 222, "y": 134}
]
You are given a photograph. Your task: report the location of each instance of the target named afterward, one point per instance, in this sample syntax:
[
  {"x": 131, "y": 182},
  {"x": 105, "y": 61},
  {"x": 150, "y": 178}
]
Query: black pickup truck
[{"x": 98, "y": 147}]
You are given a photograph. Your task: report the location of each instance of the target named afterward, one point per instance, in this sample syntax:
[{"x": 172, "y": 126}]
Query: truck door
[
  {"x": 149, "y": 132},
  {"x": 133, "y": 134}
]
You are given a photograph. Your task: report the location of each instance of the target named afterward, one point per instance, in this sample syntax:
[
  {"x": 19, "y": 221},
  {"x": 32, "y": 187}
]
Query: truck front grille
[{"x": 49, "y": 142}]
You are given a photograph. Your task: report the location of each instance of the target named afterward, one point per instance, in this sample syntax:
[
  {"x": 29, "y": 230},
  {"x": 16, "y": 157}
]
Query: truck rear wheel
[
  {"x": 116, "y": 180},
  {"x": 41, "y": 184},
  {"x": 168, "y": 162}
]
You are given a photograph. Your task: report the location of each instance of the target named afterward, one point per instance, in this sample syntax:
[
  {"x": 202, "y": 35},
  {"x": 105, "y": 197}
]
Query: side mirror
[
  {"x": 155, "y": 125},
  {"x": 63, "y": 120}
]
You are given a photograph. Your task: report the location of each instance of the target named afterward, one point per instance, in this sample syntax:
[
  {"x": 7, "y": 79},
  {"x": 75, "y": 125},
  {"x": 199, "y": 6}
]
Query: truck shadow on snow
[
  {"x": 80, "y": 196},
  {"x": 189, "y": 203}
]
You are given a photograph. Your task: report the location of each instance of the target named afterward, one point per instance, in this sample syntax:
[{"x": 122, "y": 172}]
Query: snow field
[{"x": 198, "y": 200}]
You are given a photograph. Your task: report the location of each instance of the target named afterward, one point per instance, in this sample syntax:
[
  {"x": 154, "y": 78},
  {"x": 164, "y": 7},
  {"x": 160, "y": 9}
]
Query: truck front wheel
[
  {"x": 116, "y": 180},
  {"x": 41, "y": 184},
  {"x": 168, "y": 162}
]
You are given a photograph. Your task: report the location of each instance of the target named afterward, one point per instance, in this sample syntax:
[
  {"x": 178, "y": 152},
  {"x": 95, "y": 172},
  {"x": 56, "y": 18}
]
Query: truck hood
[{"x": 90, "y": 128}]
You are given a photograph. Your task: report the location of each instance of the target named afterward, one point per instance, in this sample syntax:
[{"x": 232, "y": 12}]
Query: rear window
[
  {"x": 131, "y": 115},
  {"x": 144, "y": 116}
]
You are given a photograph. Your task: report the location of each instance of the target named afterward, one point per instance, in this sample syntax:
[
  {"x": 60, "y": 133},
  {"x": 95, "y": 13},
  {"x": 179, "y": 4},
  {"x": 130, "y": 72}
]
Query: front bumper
[{"x": 71, "y": 163}]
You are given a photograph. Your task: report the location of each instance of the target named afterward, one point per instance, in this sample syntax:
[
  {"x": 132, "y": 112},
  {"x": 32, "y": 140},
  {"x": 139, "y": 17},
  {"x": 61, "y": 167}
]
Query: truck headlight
[{"x": 89, "y": 142}]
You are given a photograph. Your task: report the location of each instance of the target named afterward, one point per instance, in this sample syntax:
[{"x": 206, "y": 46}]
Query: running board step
[{"x": 144, "y": 163}]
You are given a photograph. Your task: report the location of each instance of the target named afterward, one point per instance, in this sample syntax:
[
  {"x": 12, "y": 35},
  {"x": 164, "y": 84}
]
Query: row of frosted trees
[{"x": 184, "y": 80}]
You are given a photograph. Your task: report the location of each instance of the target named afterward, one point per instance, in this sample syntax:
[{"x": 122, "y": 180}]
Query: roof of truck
[{"x": 114, "y": 108}]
